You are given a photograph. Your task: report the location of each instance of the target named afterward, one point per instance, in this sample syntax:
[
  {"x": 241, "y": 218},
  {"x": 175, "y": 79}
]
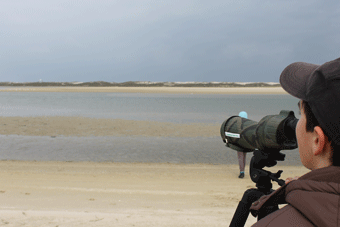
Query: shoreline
[
  {"x": 153, "y": 90},
  {"x": 122, "y": 194}
]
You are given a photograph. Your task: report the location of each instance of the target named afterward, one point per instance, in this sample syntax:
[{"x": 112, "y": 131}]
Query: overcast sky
[{"x": 170, "y": 40}]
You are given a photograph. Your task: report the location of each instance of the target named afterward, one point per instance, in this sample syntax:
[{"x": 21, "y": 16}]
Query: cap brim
[{"x": 294, "y": 77}]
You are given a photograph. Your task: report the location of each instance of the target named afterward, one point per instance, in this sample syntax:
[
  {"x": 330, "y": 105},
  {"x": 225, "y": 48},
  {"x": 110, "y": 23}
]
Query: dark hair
[{"x": 311, "y": 122}]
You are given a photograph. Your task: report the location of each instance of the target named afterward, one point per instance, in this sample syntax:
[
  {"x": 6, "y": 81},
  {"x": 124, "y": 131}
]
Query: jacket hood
[{"x": 317, "y": 195}]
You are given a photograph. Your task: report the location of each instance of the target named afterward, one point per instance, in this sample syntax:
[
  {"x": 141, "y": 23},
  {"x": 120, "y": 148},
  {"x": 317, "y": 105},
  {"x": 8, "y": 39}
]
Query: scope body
[{"x": 272, "y": 132}]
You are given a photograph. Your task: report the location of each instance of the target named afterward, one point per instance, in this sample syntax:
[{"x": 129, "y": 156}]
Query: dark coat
[{"x": 313, "y": 200}]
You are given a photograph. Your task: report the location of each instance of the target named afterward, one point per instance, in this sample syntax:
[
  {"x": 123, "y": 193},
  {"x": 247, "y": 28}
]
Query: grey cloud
[{"x": 163, "y": 40}]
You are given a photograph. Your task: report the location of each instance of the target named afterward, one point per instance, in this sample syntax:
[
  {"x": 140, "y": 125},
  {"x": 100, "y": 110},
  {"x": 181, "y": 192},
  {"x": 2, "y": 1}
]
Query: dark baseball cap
[{"x": 319, "y": 85}]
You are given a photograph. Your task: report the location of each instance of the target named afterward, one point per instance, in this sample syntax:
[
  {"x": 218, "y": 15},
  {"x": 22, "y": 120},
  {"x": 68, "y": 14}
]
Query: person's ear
[{"x": 319, "y": 140}]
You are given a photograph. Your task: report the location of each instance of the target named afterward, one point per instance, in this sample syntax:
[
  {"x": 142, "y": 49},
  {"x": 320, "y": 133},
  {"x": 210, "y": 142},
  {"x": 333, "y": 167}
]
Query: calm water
[
  {"x": 157, "y": 107},
  {"x": 177, "y": 108}
]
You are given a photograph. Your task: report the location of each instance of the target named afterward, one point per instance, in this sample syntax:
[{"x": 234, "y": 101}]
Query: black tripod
[{"x": 263, "y": 179}]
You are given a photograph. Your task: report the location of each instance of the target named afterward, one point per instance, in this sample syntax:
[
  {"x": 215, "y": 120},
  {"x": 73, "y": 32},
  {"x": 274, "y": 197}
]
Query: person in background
[{"x": 242, "y": 155}]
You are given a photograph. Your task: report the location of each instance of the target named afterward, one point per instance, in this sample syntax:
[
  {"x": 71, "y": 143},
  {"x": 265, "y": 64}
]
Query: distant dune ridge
[{"x": 143, "y": 84}]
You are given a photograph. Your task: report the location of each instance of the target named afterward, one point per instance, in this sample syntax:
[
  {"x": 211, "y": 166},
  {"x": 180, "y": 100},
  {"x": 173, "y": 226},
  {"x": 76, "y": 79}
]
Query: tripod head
[{"x": 262, "y": 177}]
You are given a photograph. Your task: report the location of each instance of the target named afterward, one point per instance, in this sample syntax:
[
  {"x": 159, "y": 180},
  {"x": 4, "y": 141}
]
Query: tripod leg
[{"x": 242, "y": 211}]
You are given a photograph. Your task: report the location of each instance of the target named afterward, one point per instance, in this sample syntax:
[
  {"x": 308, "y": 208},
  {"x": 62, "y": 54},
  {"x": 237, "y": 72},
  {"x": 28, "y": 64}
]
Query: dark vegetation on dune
[{"x": 139, "y": 84}]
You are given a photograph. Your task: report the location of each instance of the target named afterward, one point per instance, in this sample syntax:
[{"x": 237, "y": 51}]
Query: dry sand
[
  {"x": 119, "y": 194},
  {"x": 171, "y": 90}
]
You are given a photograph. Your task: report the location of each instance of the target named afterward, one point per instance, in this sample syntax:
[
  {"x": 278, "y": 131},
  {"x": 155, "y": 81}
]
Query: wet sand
[
  {"x": 120, "y": 194},
  {"x": 81, "y": 126},
  {"x": 170, "y": 90},
  {"x": 90, "y": 139}
]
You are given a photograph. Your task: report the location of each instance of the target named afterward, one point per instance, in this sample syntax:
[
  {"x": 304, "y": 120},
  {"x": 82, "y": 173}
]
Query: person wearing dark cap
[{"x": 314, "y": 198}]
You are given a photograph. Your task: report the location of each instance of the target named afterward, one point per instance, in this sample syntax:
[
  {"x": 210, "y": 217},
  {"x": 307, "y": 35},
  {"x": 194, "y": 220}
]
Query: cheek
[
  {"x": 299, "y": 132},
  {"x": 301, "y": 136}
]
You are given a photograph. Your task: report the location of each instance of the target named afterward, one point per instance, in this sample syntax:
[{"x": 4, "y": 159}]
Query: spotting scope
[
  {"x": 265, "y": 139},
  {"x": 272, "y": 132}
]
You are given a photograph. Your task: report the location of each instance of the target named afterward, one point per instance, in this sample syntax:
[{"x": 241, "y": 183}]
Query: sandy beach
[
  {"x": 169, "y": 90},
  {"x": 120, "y": 194},
  {"x": 51, "y": 193}
]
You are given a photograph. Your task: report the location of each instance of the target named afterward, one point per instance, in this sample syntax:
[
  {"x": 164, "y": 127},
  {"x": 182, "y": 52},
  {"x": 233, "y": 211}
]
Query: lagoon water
[{"x": 178, "y": 108}]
